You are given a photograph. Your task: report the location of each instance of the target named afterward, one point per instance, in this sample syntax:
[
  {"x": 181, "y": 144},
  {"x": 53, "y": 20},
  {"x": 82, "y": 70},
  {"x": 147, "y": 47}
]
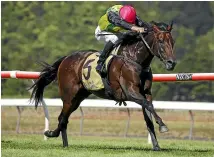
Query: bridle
[{"x": 160, "y": 56}]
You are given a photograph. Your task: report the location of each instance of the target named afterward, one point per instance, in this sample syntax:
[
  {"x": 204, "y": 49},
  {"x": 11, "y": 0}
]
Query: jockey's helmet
[{"x": 128, "y": 13}]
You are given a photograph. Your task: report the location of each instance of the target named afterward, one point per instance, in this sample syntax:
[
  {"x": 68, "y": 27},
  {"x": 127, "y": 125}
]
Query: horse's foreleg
[
  {"x": 150, "y": 127},
  {"x": 146, "y": 85},
  {"x": 162, "y": 127},
  {"x": 139, "y": 99},
  {"x": 149, "y": 122}
]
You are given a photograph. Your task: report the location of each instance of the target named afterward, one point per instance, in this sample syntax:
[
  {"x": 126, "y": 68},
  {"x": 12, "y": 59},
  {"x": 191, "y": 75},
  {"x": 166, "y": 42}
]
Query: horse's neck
[{"x": 138, "y": 53}]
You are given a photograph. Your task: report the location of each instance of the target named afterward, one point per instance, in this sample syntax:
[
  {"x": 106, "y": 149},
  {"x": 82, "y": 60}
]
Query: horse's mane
[
  {"x": 130, "y": 39},
  {"x": 161, "y": 25}
]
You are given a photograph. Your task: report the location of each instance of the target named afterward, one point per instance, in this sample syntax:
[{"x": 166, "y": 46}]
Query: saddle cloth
[{"x": 91, "y": 79}]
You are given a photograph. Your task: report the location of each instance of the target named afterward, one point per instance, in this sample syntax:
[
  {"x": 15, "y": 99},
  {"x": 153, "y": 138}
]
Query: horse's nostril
[{"x": 170, "y": 62}]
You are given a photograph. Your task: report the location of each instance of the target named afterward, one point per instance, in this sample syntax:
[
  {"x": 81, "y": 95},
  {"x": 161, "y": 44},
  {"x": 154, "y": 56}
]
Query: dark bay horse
[
  {"x": 159, "y": 41},
  {"x": 129, "y": 79}
]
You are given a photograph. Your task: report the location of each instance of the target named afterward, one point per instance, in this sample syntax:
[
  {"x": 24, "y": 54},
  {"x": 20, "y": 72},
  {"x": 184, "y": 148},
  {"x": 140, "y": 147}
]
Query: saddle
[{"x": 91, "y": 78}]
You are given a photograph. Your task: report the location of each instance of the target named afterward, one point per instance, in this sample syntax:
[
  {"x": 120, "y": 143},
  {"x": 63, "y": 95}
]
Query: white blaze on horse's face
[{"x": 165, "y": 45}]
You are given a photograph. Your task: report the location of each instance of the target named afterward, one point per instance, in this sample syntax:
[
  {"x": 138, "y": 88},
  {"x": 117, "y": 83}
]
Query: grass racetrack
[{"x": 85, "y": 146}]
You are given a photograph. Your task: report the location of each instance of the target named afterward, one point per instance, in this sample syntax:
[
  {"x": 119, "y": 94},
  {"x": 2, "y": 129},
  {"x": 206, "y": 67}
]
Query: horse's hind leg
[
  {"x": 67, "y": 94},
  {"x": 79, "y": 97},
  {"x": 71, "y": 100}
]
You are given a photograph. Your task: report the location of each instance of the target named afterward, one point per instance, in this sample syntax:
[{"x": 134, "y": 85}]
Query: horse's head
[{"x": 163, "y": 44}]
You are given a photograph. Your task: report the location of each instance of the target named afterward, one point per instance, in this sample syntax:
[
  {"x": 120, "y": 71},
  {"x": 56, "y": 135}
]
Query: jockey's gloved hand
[{"x": 138, "y": 29}]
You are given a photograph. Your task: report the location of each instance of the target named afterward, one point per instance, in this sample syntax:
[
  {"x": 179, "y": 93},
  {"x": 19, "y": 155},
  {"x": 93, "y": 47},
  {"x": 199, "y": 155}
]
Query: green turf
[{"x": 35, "y": 146}]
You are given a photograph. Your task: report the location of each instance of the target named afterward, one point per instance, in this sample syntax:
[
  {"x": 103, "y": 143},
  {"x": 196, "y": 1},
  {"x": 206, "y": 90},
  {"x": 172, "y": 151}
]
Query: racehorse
[
  {"x": 162, "y": 33},
  {"x": 129, "y": 77}
]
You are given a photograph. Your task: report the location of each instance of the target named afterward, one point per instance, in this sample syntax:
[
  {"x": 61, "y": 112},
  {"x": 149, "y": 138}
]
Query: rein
[{"x": 148, "y": 47}]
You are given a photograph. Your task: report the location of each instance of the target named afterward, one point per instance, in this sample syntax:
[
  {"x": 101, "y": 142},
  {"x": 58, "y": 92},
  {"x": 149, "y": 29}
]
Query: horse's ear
[
  {"x": 169, "y": 28},
  {"x": 172, "y": 23}
]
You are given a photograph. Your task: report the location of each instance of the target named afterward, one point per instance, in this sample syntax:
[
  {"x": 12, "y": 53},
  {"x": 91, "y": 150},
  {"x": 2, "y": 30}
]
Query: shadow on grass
[
  {"x": 185, "y": 150},
  {"x": 7, "y": 144}
]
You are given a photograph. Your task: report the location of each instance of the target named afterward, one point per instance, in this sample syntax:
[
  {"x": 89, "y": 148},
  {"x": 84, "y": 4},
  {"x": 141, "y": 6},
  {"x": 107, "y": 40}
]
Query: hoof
[
  {"x": 156, "y": 148},
  {"x": 49, "y": 133},
  {"x": 65, "y": 146},
  {"x": 163, "y": 129}
]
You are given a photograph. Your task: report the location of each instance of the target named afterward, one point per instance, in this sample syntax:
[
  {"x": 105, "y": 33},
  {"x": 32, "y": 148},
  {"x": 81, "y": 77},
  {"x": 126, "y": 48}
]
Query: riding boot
[{"x": 104, "y": 55}]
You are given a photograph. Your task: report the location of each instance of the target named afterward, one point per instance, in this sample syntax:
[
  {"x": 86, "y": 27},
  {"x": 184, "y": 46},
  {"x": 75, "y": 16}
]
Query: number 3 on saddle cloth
[{"x": 91, "y": 79}]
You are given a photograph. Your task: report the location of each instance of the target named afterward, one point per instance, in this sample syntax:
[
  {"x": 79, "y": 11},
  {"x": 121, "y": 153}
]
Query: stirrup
[
  {"x": 99, "y": 67},
  {"x": 101, "y": 70}
]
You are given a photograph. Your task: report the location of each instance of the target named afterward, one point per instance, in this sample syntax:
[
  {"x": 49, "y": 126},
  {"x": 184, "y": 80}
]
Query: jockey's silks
[{"x": 105, "y": 25}]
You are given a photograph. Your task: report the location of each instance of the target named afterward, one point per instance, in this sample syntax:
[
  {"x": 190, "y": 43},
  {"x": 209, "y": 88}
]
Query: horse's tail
[{"x": 48, "y": 74}]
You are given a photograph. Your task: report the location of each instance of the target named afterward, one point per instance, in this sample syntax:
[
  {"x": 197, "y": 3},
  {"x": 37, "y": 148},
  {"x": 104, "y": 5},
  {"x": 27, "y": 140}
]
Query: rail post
[
  {"x": 18, "y": 120},
  {"x": 127, "y": 123},
  {"x": 45, "y": 109},
  {"x": 191, "y": 124},
  {"x": 81, "y": 121}
]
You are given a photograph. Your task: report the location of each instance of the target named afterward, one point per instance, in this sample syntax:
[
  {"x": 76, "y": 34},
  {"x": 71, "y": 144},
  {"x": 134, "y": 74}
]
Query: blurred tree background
[{"x": 44, "y": 31}]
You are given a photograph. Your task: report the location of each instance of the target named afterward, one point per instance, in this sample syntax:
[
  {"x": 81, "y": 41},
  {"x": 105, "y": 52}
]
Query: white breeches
[{"x": 106, "y": 38}]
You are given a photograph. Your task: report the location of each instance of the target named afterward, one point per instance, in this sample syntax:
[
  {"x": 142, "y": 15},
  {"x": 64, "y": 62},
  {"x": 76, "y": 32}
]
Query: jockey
[{"x": 118, "y": 18}]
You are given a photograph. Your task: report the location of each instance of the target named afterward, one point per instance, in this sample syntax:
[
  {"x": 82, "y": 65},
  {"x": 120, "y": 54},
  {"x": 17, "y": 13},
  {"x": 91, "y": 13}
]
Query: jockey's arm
[{"x": 116, "y": 20}]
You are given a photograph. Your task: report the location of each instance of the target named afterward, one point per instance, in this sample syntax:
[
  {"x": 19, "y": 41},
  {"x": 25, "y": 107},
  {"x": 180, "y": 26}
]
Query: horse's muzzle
[{"x": 170, "y": 64}]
